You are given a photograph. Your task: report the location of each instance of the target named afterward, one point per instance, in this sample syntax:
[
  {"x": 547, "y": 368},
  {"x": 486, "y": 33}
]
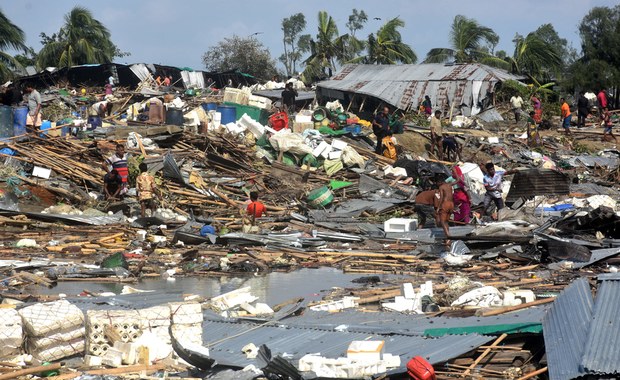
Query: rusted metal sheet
[{"x": 404, "y": 86}]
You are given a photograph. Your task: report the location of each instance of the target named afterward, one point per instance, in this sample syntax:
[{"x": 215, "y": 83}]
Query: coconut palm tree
[
  {"x": 11, "y": 36},
  {"x": 533, "y": 56},
  {"x": 387, "y": 47},
  {"x": 327, "y": 48},
  {"x": 82, "y": 39},
  {"x": 467, "y": 39}
]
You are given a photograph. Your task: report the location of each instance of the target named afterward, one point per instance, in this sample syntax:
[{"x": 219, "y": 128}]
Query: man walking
[
  {"x": 288, "y": 98},
  {"x": 565, "y": 115},
  {"x": 437, "y": 134},
  {"x": 381, "y": 128},
  {"x": 517, "y": 105}
]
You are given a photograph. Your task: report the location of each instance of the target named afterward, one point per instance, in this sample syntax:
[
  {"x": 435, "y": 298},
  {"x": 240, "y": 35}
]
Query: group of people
[
  {"x": 583, "y": 110},
  {"x": 116, "y": 185},
  {"x": 451, "y": 198}
]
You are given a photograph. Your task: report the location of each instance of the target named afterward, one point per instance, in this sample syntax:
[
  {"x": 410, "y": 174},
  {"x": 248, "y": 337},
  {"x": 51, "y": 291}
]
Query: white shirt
[
  {"x": 516, "y": 102},
  {"x": 111, "y": 80}
]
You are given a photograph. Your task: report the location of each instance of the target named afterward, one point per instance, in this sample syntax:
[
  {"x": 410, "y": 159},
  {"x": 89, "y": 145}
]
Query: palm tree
[
  {"x": 466, "y": 40},
  {"x": 534, "y": 57},
  {"x": 11, "y": 36},
  {"x": 387, "y": 47},
  {"x": 326, "y": 49},
  {"x": 82, "y": 39}
]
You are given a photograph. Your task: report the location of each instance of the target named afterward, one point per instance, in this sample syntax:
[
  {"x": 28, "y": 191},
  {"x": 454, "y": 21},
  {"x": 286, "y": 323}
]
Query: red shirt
[
  {"x": 602, "y": 99},
  {"x": 257, "y": 209}
]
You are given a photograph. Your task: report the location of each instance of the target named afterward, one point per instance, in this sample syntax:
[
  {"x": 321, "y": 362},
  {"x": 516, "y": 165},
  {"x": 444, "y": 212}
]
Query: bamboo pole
[
  {"x": 515, "y": 308},
  {"x": 30, "y": 371}
]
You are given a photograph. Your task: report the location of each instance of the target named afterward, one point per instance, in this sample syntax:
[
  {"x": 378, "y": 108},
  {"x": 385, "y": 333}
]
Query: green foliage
[
  {"x": 11, "y": 36},
  {"x": 81, "y": 40},
  {"x": 535, "y": 57},
  {"x": 509, "y": 88},
  {"x": 327, "y": 48},
  {"x": 600, "y": 38},
  {"x": 386, "y": 46},
  {"x": 245, "y": 54},
  {"x": 469, "y": 42},
  {"x": 295, "y": 44}
]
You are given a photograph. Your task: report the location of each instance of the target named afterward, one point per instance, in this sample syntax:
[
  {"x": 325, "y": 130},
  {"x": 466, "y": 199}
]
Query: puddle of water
[{"x": 272, "y": 288}]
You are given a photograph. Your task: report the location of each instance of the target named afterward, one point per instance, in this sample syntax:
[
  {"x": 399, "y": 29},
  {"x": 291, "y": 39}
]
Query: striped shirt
[{"x": 120, "y": 164}]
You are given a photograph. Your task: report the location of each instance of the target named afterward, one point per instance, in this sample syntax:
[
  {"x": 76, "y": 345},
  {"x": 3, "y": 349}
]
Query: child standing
[{"x": 145, "y": 184}]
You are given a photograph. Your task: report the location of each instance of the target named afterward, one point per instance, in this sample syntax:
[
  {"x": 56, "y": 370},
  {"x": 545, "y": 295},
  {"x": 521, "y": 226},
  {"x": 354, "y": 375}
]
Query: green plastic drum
[{"x": 320, "y": 197}]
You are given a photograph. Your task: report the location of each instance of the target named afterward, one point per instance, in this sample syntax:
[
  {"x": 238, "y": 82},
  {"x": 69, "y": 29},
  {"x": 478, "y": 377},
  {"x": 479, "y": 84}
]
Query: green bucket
[
  {"x": 320, "y": 197},
  {"x": 319, "y": 114}
]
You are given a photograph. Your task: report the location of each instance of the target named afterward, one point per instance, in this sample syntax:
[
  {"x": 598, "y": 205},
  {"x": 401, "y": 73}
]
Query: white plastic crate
[
  {"x": 400, "y": 225},
  {"x": 234, "y": 95}
]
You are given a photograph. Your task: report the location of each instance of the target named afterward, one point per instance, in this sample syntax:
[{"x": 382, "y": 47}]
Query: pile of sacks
[
  {"x": 53, "y": 330},
  {"x": 10, "y": 334}
]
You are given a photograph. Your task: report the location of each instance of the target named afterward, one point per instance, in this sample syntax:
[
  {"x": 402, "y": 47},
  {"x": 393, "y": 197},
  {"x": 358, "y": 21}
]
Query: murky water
[{"x": 272, "y": 288}]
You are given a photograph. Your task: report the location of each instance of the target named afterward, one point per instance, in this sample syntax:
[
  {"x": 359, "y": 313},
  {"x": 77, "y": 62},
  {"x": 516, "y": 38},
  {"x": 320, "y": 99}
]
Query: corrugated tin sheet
[
  {"x": 405, "y": 86},
  {"x": 294, "y": 342},
  {"x": 565, "y": 329},
  {"x": 602, "y": 349},
  {"x": 531, "y": 182},
  {"x": 404, "y": 324},
  {"x": 598, "y": 255}
]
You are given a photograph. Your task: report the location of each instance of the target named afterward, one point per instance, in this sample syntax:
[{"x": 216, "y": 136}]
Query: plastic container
[
  {"x": 174, "y": 116},
  {"x": 258, "y": 114},
  {"x": 320, "y": 197},
  {"x": 45, "y": 125},
  {"x": 93, "y": 121},
  {"x": 209, "y": 106},
  {"x": 20, "y": 115},
  {"x": 229, "y": 114},
  {"x": 279, "y": 121},
  {"x": 420, "y": 369},
  {"x": 6, "y": 122},
  {"x": 319, "y": 114}
]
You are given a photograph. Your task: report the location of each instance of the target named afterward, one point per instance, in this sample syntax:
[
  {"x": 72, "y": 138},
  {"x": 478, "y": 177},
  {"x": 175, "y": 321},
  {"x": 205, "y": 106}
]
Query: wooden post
[{"x": 484, "y": 354}]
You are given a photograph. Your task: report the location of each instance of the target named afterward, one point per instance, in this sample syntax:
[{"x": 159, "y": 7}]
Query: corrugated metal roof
[
  {"x": 602, "y": 349},
  {"x": 405, "y": 86},
  {"x": 531, "y": 182},
  {"x": 405, "y": 324},
  {"x": 565, "y": 329},
  {"x": 294, "y": 342}
]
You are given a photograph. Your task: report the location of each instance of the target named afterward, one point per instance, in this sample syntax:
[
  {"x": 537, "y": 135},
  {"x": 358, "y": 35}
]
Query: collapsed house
[
  {"x": 468, "y": 87},
  {"x": 132, "y": 75}
]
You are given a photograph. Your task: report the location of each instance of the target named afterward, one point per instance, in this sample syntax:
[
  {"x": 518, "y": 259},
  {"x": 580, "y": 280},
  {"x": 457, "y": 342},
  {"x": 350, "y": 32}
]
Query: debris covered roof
[{"x": 404, "y": 86}]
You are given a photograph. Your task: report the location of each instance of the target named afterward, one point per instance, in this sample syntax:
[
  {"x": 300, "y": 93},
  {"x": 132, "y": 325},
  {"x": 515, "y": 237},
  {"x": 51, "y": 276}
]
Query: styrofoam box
[
  {"x": 366, "y": 350},
  {"x": 259, "y": 101},
  {"x": 339, "y": 144},
  {"x": 400, "y": 225}
]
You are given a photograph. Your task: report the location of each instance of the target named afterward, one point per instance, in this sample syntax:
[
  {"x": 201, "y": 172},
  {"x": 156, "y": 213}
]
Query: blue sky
[{"x": 178, "y": 32}]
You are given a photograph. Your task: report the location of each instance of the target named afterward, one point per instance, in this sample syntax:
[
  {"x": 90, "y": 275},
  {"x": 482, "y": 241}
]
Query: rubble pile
[{"x": 471, "y": 303}]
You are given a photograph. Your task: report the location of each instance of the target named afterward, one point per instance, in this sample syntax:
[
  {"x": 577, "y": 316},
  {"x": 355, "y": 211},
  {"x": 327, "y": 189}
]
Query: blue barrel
[
  {"x": 209, "y": 106},
  {"x": 174, "y": 116},
  {"x": 229, "y": 114},
  {"x": 94, "y": 121},
  {"x": 45, "y": 125},
  {"x": 20, "y": 116},
  {"x": 6, "y": 122}
]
